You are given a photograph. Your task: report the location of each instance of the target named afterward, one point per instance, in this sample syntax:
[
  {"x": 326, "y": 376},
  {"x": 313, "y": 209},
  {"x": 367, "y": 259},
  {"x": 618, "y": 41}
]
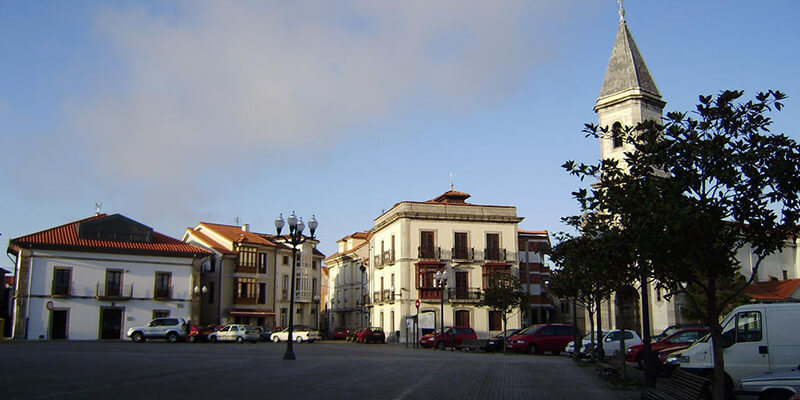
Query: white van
[{"x": 757, "y": 338}]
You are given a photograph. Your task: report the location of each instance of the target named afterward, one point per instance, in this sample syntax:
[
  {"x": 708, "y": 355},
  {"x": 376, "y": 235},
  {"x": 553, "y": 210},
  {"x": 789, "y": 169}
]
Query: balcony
[
  {"x": 494, "y": 254},
  {"x": 430, "y": 293},
  {"x": 163, "y": 293},
  {"x": 388, "y": 296},
  {"x": 463, "y": 254},
  {"x": 429, "y": 253},
  {"x": 464, "y": 295},
  {"x": 378, "y": 262},
  {"x": 63, "y": 290},
  {"x": 245, "y": 300},
  {"x": 113, "y": 292},
  {"x": 387, "y": 258},
  {"x": 245, "y": 269}
]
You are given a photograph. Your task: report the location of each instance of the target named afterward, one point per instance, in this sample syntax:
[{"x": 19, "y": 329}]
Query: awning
[{"x": 251, "y": 313}]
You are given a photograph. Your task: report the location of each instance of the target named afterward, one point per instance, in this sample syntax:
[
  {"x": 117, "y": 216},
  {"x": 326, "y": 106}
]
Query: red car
[
  {"x": 543, "y": 337},
  {"x": 199, "y": 334},
  {"x": 371, "y": 335},
  {"x": 339, "y": 333},
  {"x": 681, "y": 338},
  {"x": 453, "y": 337}
]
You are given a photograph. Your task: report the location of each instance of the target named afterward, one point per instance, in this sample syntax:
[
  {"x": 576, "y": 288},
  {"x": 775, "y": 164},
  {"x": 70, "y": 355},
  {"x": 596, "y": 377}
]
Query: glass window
[
  {"x": 547, "y": 331},
  {"x": 62, "y": 281},
  {"x": 748, "y": 327}
]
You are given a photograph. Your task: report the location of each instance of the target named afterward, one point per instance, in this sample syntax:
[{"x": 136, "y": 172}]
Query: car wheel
[
  {"x": 276, "y": 339},
  {"x": 137, "y": 337},
  {"x": 212, "y": 339},
  {"x": 239, "y": 339},
  {"x": 298, "y": 339},
  {"x": 532, "y": 349},
  {"x": 172, "y": 337}
]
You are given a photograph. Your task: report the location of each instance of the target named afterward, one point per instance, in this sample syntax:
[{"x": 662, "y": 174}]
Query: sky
[{"x": 171, "y": 113}]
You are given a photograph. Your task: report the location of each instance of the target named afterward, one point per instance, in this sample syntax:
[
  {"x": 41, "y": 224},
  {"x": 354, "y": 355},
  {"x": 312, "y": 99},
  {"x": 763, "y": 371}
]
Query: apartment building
[
  {"x": 413, "y": 241},
  {"x": 248, "y": 280},
  {"x": 348, "y": 283},
  {"x": 94, "y": 278}
]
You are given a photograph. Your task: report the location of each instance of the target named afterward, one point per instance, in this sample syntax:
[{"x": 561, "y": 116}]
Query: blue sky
[{"x": 185, "y": 111}]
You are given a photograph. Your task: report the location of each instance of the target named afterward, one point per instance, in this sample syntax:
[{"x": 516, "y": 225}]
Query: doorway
[
  {"x": 111, "y": 323},
  {"x": 59, "y": 320}
]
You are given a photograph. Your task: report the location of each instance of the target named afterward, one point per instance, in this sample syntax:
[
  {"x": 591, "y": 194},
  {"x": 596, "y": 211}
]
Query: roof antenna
[
  {"x": 97, "y": 207},
  {"x": 621, "y": 12},
  {"x": 451, "y": 181},
  {"x": 236, "y": 221}
]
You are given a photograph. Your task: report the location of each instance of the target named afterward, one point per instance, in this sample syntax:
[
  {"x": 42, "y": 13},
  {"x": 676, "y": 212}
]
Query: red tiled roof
[
  {"x": 772, "y": 290},
  {"x": 210, "y": 242},
  {"x": 533, "y": 232},
  {"x": 65, "y": 237},
  {"x": 237, "y": 235},
  {"x": 451, "y": 197}
]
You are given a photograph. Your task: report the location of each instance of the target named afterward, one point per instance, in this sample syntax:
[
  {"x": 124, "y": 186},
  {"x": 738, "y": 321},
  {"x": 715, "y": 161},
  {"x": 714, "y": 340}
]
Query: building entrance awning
[{"x": 251, "y": 313}]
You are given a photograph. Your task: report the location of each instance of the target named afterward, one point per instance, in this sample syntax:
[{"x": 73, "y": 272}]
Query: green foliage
[{"x": 504, "y": 293}]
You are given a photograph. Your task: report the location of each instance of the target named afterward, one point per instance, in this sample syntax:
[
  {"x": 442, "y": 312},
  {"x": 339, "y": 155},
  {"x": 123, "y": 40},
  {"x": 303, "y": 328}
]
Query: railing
[
  {"x": 429, "y": 253},
  {"x": 163, "y": 293},
  {"x": 463, "y": 254},
  {"x": 388, "y": 296},
  {"x": 62, "y": 290},
  {"x": 302, "y": 295},
  {"x": 245, "y": 269},
  {"x": 118, "y": 292},
  {"x": 285, "y": 294},
  {"x": 378, "y": 262},
  {"x": 387, "y": 258},
  {"x": 494, "y": 254},
  {"x": 430, "y": 293},
  {"x": 377, "y": 297},
  {"x": 464, "y": 294}
]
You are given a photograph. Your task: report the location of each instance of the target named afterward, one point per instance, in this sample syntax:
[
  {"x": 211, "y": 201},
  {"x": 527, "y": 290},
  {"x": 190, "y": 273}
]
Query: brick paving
[{"x": 330, "y": 370}]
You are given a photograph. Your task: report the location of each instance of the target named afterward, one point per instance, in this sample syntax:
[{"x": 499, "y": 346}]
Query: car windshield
[{"x": 530, "y": 330}]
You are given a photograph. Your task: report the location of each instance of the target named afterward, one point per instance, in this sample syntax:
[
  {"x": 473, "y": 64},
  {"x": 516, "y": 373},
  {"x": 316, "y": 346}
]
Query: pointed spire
[{"x": 626, "y": 67}]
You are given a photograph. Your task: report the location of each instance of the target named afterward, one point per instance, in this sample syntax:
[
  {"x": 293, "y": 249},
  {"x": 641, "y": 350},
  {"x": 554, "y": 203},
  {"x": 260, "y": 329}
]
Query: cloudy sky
[{"x": 184, "y": 111}]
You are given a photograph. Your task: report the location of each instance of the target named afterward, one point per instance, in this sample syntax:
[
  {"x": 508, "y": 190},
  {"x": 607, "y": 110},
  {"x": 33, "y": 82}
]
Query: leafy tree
[
  {"x": 504, "y": 295},
  {"x": 694, "y": 191}
]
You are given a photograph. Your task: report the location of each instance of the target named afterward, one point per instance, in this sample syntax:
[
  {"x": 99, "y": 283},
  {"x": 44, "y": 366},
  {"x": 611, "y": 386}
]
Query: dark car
[
  {"x": 680, "y": 338},
  {"x": 339, "y": 333},
  {"x": 264, "y": 333},
  {"x": 543, "y": 337},
  {"x": 495, "y": 343},
  {"x": 453, "y": 337},
  {"x": 371, "y": 335},
  {"x": 672, "y": 329}
]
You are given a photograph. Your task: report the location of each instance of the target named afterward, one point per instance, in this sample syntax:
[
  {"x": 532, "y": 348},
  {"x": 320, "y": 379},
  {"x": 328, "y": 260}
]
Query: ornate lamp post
[
  {"x": 294, "y": 238},
  {"x": 441, "y": 278}
]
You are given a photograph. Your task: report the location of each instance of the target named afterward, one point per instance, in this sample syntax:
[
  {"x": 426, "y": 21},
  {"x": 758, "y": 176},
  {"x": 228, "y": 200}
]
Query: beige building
[
  {"x": 248, "y": 282},
  {"x": 348, "y": 283},
  {"x": 413, "y": 240}
]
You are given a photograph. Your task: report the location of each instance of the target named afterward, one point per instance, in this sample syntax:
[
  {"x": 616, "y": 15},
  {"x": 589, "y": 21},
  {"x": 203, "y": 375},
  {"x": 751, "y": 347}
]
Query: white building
[
  {"x": 94, "y": 278},
  {"x": 413, "y": 240},
  {"x": 347, "y": 282}
]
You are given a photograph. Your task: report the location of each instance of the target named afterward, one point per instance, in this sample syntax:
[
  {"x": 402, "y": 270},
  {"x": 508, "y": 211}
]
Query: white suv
[{"x": 172, "y": 329}]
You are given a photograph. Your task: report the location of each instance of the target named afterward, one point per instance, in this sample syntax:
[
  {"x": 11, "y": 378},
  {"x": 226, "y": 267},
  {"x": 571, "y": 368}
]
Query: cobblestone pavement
[{"x": 330, "y": 370}]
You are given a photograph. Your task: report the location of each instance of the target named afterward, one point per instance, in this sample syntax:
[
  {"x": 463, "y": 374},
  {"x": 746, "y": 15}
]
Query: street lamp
[
  {"x": 441, "y": 279},
  {"x": 294, "y": 238}
]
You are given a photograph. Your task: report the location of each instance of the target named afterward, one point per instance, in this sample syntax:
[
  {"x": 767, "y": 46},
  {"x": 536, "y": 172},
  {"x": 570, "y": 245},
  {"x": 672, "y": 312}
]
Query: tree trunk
[
  {"x": 579, "y": 345},
  {"x": 621, "y": 318},
  {"x": 650, "y": 365},
  {"x": 578, "y": 336},
  {"x": 599, "y": 354},
  {"x": 718, "y": 382},
  {"x": 505, "y": 329}
]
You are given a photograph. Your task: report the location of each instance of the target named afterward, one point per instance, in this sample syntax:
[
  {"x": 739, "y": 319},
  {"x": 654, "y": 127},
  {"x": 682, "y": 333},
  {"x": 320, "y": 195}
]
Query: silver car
[
  {"x": 777, "y": 385},
  {"x": 235, "y": 333}
]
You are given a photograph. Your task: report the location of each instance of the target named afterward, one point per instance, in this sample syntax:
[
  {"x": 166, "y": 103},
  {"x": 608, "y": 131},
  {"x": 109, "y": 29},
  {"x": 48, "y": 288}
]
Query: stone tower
[{"x": 629, "y": 94}]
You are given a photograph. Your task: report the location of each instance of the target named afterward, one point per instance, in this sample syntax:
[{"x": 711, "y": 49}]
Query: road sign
[{"x": 416, "y": 303}]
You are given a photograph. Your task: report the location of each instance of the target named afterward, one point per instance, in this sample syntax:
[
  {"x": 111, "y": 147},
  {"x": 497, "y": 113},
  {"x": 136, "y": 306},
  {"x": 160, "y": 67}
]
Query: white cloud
[{"x": 225, "y": 80}]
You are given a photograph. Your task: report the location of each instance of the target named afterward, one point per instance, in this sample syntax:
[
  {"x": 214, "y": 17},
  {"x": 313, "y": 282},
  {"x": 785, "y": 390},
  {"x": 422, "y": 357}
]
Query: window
[
  {"x": 426, "y": 245},
  {"x": 462, "y": 318},
  {"x": 495, "y": 321},
  {"x": 210, "y": 292},
  {"x": 285, "y": 291},
  {"x": 284, "y": 311},
  {"x": 561, "y": 330},
  {"x": 785, "y": 274},
  {"x": 392, "y": 249},
  {"x": 163, "y": 288},
  {"x": 62, "y": 281},
  {"x": 262, "y": 263},
  {"x": 246, "y": 288},
  {"x": 685, "y": 337},
  {"x": 160, "y": 314},
  {"x": 490, "y": 274},
  {"x": 113, "y": 282},
  {"x": 658, "y": 294},
  {"x": 460, "y": 250},
  {"x": 547, "y": 331},
  {"x": 492, "y": 246},
  {"x": 313, "y": 287},
  {"x": 262, "y": 293},
  {"x": 616, "y": 134},
  {"x": 285, "y": 260},
  {"x": 247, "y": 256},
  {"x": 748, "y": 327},
  {"x": 565, "y": 308}
]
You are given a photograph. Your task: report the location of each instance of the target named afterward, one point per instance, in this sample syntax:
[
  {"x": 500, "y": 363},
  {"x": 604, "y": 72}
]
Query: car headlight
[{"x": 629, "y": 351}]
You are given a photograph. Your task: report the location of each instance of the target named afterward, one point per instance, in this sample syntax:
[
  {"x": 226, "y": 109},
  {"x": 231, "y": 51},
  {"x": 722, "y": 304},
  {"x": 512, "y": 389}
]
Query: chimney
[{"x": 246, "y": 227}]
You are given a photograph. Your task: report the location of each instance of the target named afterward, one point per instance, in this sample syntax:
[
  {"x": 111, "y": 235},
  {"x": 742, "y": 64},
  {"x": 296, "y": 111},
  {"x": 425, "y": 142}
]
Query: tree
[
  {"x": 503, "y": 295},
  {"x": 694, "y": 191}
]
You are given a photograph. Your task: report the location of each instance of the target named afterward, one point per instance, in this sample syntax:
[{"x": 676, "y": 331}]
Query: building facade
[
  {"x": 412, "y": 241},
  {"x": 533, "y": 275},
  {"x": 94, "y": 278},
  {"x": 348, "y": 283},
  {"x": 248, "y": 280}
]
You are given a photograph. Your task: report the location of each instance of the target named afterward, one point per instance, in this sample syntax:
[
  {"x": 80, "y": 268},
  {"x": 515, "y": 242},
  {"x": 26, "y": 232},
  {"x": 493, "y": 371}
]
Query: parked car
[
  {"x": 264, "y": 333},
  {"x": 300, "y": 334},
  {"x": 235, "y": 333},
  {"x": 353, "y": 334},
  {"x": 773, "y": 386},
  {"x": 339, "y": 333},
  {"x": 495, "y": 343},
  {"x": 681, "y": 338},
  {"x": 611, "y": 342},
  {"x": 371, "y": 335},
  {"x": 453, "y": 337},
  {"x": 200, "y": 334},
  {"x": 171, "y": 329},
  {"x": 543, "y": 337},
  {"x": 672, "y": 329},
  {"x": 756, "y": 339}
]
